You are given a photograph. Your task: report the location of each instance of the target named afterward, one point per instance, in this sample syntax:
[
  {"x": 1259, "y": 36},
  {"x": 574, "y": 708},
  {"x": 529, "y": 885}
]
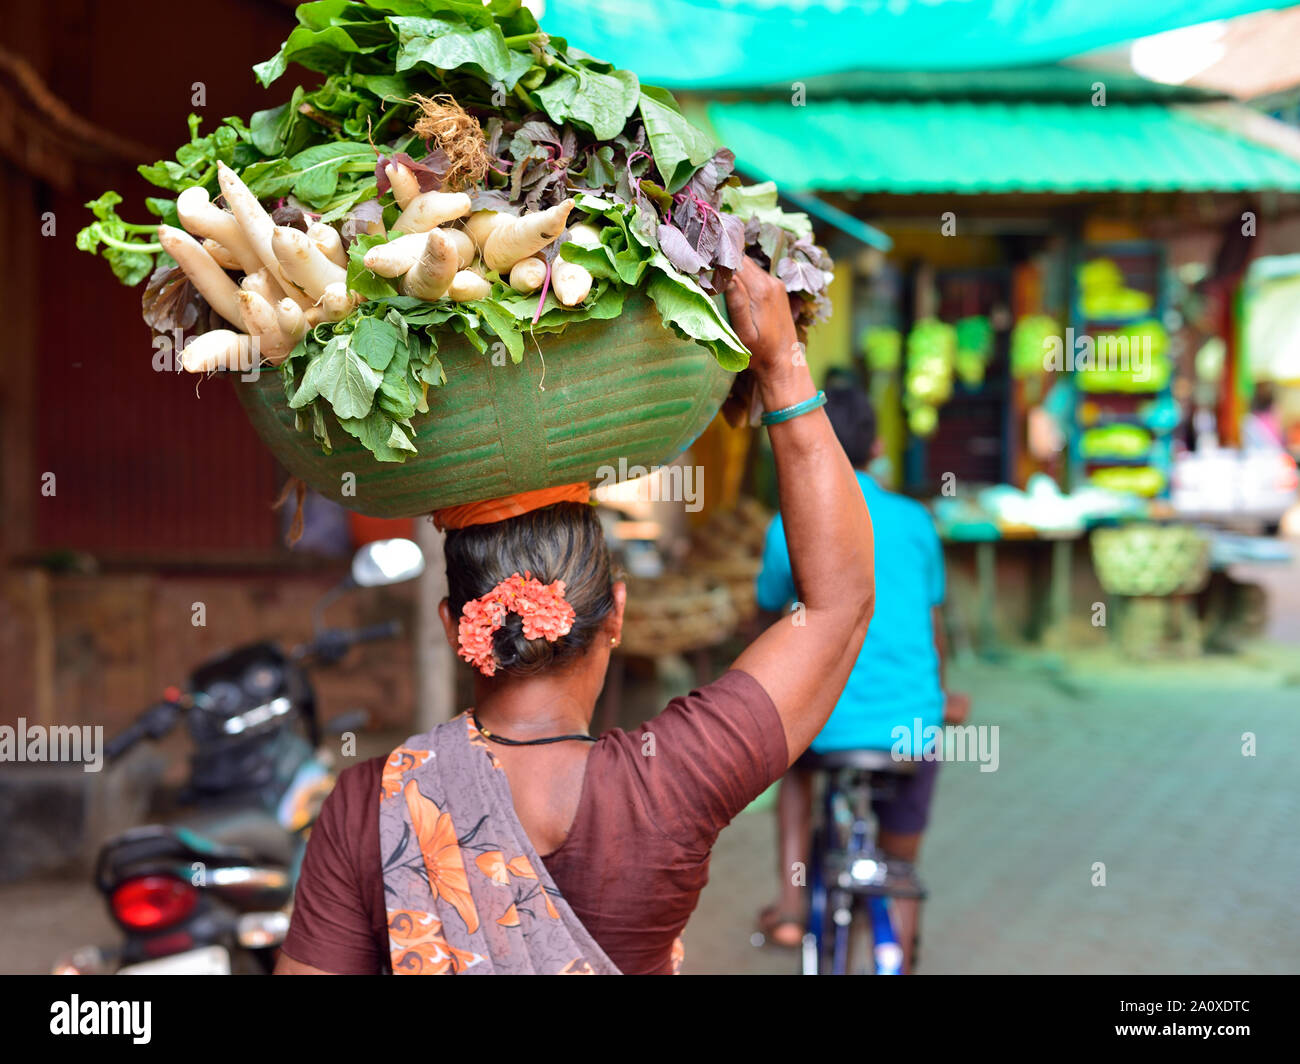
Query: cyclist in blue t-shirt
[{"x": 896, "y": 683}]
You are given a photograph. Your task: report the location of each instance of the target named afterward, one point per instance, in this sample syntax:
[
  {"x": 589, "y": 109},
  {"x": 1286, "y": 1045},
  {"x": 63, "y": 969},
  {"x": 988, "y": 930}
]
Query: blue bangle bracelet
[{"x": 786, "y": 413}]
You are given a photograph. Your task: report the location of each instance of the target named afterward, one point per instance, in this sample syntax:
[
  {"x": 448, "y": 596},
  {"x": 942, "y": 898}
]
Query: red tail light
[{"x": 153, "y": 902}]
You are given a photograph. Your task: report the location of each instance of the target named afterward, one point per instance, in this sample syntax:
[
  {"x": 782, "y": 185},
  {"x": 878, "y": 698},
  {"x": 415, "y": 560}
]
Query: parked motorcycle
[{"x": 210, "y": 894}]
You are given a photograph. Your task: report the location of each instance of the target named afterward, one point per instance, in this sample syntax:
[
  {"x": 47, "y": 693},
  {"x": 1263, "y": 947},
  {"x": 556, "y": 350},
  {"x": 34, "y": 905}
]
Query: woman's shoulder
[
  {"x": 355, "y": 797},
  {"x": 356, "y": 779},
  {"x": 701, "y": 760},
  {"x": 735, "y": 698}
]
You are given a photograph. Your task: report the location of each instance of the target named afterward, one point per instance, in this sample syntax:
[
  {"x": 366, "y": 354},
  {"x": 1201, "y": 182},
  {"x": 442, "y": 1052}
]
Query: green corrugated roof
[
  {"x": 1062, "y": 82},
  {"x": 994, "y": 146}
]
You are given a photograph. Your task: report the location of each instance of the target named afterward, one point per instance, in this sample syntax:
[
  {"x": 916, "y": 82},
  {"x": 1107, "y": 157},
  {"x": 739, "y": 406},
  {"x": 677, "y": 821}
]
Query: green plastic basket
[
  {"x": 628, "y": 388},
  {"x": 1151, "y": 560}
]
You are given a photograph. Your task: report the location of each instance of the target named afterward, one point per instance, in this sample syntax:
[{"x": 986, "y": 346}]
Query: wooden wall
[{"x": 147, "y": 471}]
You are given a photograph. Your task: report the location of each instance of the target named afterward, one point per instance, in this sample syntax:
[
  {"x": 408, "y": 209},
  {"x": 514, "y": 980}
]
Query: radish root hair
[{"x": 450, "y": 127}]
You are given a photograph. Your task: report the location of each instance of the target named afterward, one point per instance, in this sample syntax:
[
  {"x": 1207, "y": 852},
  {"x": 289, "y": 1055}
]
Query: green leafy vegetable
[{"x": 673, "y": 220}]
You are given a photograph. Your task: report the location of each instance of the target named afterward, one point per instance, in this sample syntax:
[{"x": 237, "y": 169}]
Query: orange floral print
[
  {"x": 417, "y": 946},
  {"x": 476, "y": 739},
  {"x": 493, "y": 865},
  {"x": 441, "y": 850},
  {"x": 399, "y": 763},
  {"x": 522, "y": 867},
  {"x": 473, "y": 901}
]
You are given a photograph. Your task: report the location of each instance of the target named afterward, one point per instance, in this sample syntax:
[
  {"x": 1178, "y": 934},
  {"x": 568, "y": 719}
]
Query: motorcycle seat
[
  {"x": 244, "y": 837},
  {"x": 253, "y": 835}
]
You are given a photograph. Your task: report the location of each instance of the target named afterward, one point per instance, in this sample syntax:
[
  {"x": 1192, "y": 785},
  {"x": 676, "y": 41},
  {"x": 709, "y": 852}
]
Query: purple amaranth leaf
[
  {"x": 774, "y": 240},
  {"x": 800, "y": 275},
  {"x": 812, "y": 252},
  {"x": 430, "y": 172},
  {"x": 545, "y": 190},
  {"x": 171, "y": 301},
  {"x": 485, "y": 199},
  {"x": 731, "y": 244},
  {"x": 704, "y": 234},
  {"x": 673, "y": 243},
  {"x": 361, "y": 219},
  {"x": 704, "y": 183},
  {"x": 289, "y": 215},
  {"x": 540, "y": 131}
]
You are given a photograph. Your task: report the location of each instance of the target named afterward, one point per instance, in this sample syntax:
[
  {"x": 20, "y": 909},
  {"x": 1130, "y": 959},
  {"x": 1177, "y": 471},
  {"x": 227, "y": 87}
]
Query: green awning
[
  {"x": 745, "y": 43},
  {"x": 964, "y": 146}
]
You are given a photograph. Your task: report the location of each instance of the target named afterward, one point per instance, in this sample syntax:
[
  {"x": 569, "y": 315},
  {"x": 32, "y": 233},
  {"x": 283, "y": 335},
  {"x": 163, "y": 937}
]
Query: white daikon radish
[
  {"x": 336, "y": 302},
  {"x": 201, "y": 217},
  {"x": 430, "y": 209},
  {"x": 465, "y": 249},
  {"x": 292, "y": 320},
  {"x": 220, "y": 349},
  {"x": 432, "y": 273},
  {"x": 303, "y": 263},
  {"x": 258, "y": 228},
  {"x": 528, "y": 275},
  {"x": 570, "y": 282},
  {"x": 518, "y": 238},
  {"x": 467, "y": 285},
  {"x": 405, "y": 185},
  {"x": 263, "y": 284},
  {"x": 396, "y": 256},
  {"x": 328, "y": 243},
  {"x": 221, "y": 254},
  {"x": 260, "y": 320},
  {"x": 479, "y": 226},
  {"x": 211, "y": 280}
]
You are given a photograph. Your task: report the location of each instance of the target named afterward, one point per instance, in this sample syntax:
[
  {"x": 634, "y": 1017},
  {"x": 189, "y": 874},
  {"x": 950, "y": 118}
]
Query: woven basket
[
  {"x": 624, "y": 388},
  {"x": 1151, "y": 559},
  {"x": 675, "y": 613},
  {"x": 727, "y": 550}
]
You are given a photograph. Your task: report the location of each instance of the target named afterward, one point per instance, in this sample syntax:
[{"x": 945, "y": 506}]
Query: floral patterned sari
[{"x": 465, "y": 891}]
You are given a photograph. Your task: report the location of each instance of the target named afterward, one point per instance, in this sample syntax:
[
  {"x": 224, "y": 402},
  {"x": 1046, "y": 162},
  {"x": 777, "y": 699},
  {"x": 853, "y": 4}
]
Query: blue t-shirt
[{"x": 895, "y": 681}]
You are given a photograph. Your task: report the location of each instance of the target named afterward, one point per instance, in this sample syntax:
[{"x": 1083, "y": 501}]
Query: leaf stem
[{"x": 122, "y": 245}]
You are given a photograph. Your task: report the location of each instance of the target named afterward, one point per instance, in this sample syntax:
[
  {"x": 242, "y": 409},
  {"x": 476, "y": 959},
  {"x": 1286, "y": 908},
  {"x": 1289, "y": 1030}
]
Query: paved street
[{"x": 1140, "y": 769}]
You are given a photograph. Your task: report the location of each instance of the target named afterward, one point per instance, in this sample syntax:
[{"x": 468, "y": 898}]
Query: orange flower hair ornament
[{"x": 542, "y": 607}]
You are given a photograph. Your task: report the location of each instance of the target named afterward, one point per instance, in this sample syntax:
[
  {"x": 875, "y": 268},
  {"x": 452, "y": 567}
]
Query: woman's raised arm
[{"x": 804, "y": 659}]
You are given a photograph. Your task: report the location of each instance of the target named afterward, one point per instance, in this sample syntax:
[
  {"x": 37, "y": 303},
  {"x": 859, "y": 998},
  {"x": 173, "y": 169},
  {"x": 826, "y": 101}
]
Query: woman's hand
[{"x": 759, "y": 309}]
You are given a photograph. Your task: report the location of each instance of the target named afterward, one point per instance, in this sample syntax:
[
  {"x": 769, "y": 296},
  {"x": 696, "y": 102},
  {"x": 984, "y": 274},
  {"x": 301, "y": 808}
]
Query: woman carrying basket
[{"x": 508, "y": 840}]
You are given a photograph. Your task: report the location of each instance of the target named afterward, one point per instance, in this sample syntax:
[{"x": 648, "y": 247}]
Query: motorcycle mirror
[{"x": 387, "y": 561}]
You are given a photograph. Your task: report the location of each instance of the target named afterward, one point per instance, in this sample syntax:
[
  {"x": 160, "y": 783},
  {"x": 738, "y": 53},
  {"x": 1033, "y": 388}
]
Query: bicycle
[{"x": 852, "y": 882}]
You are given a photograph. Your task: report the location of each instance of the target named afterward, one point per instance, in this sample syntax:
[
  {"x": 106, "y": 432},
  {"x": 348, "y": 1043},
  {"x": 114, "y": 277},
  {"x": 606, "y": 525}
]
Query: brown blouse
[{"x": 635, "y": 859}]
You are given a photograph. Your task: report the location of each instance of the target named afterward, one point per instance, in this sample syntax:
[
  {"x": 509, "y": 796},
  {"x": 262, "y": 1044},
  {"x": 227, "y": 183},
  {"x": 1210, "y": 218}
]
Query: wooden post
[
  {"x": 435, "y": 665},
  {"x": 20, "y": 480}
]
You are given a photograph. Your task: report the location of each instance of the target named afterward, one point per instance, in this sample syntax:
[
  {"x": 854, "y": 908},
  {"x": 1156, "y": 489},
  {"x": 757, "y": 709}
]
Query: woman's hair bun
[{"x": 559, "y": 542}]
